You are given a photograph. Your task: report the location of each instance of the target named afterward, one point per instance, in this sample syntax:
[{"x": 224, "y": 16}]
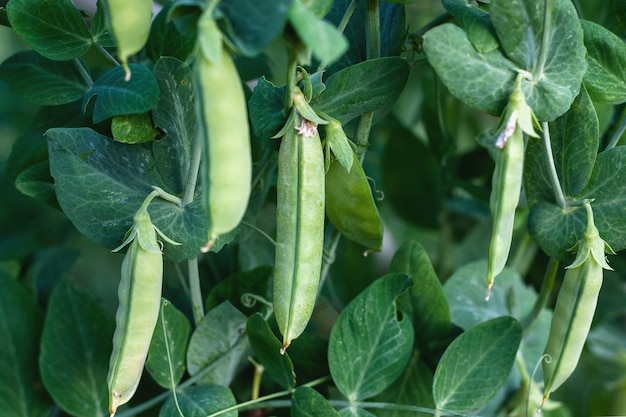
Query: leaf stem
[
  {"x": 196, "y": 292},
  {"x": 292, "y": 66},
  {"x": 194, "y": 169},
  {"x": 329, "y": 255},
  {"x": 83, "y": 72},
  {"x": 554, "y": 177},
  {"x": 617, "y": 134},
  {"x": 372, "y": 34},
  {"x": 545, "y": 42},
  {"x": 167, "y": 196},
  {"x": 345, "y": 19},
  {"x": 106, "y": 54},
  {"x": 544, "y": 293}
]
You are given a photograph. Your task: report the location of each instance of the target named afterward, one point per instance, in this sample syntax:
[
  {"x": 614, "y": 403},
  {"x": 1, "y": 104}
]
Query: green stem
[
  {"x": 554, "y": 177},
  {"x": 342, "y": 26},
  {"x": 167, "y": 196},
  {"x": 372, "y": 24},
  {"x": 544, "y": 293},
  {"x": 361, "y": 137},
  {"x": 107, "y": 55},
  {"x": 196, "y": 292},
  {"x": 545, "y": 42},
  {"x": 617, "y": 134},
  {"x": 329, "y": 255},
  {"x": 292, "y": 66},
  {"x": 194, "y": 169},
  {"x": 83, "y": 71}
]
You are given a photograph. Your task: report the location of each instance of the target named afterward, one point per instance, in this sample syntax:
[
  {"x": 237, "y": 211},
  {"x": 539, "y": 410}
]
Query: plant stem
[
  {"x": 544, "y": 293},
  {"x": 106, "y": 54},
  {"x": 372, "y": 34},
  {"x": 554, "y": 177},
  {"x": 196, "y": 292},
  {"x": 345, "y": 19},
  {"x": 545, "y": 42},
  {"x": 329, "y": 255},
  {"x": 617, "y": 134},
  {"x": 292, "y": 65},
  {"x": 167, "y": 196},
  {"x": 194, "y": 169},
  {"x": 83, "y": 71}
]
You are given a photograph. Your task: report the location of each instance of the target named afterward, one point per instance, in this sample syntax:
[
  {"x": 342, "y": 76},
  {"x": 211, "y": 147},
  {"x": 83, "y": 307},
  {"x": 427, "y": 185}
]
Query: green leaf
[
  {"x": 355, "y": 412},
  {"x": 21, "y": 393},
  {"x": 54, "y": 28},
  {"x": 267, "y": 348},
  {"x": 369, "y": 344},
  {"x": 100, "y": 195},
  {"x": 219, "y": 343},
  {"x": 366, "y": 87},
  {"x": 99, "y": 30},
  {"x": 482, "y": 81},
  {"x": 235, "y": 287},
  {"x": 39, "y": 80},
  {"x": 425, "y": 301},
  {"x": 133, "y": 128},
  {"x": 476, "y": 364},
  {"x": 606, "y": 54},
  {"x": 254, "y": 24},
  {"x": 574, "y": 140},
  {"x": 324, "y": 40},
  {"x": 557, "y": 71},
  {"x": 199, "y": 401},
  {"x": 175, "y": 115},
  {"x": 476, "y": 23},
  {"x": 266, "y": 109},
  {"x": 166, "y": 357},
  {"x": 113, "y": 96},
  {"x": 168, "y": 37},
  {"x": 308, "y": 402},
  {"x": 75, "y": 348}
]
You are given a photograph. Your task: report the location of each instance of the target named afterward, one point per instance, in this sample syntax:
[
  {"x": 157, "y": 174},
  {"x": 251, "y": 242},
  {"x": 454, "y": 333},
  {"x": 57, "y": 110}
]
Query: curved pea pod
[
  {"x": 575, "y": 307},
  {"x": 130, "y": 24},
  {"x": 299, "y": 231},
  {"x": 506, "y": 188},
  {"x": 350, "y": 205},
  {"x": 227, "y": 167}
]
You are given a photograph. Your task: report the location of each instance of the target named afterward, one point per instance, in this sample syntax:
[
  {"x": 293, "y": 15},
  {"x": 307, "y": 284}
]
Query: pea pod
[
  {"x": 575, "y": 307},
  {"x": 130, "y": 24},
  {"x": 227, "y": 168},
  {"x": 350, "y": 206},
  {"x": 299, "y": 229}
]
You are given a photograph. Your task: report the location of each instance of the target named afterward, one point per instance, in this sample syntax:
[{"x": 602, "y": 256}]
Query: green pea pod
[
  {"x": 506, "y": 188},
  {"x": 129, "y": 22},
  {"x": 575, "y": 307},
  {"x": 299, "y": 231},
  {"x": 350, "y": 206},
  {"x": 227, "y": 168}
]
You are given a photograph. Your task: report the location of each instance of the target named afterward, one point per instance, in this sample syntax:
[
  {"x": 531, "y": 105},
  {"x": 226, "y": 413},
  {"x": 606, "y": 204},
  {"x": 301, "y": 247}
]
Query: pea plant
[{"x": 296, "y": 207}]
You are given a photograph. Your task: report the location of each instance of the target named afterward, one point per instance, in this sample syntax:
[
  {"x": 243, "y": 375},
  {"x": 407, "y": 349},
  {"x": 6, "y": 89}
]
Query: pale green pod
[
  {"x": 129, "y": 22},
  {"x": 227, "y": 168},
  {"x": 139, "y": 295},
  {"x": 299, "y": 232}
]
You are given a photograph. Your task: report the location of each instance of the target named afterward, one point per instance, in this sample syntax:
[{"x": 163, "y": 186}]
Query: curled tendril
[{"x": 249, "y": 300}]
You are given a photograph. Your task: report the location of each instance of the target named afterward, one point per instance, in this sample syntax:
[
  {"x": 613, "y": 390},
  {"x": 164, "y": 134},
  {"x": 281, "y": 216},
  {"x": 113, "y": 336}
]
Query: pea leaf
[
  {"x": 476, "y": 23},
  {"x": 483, "y": 81},
  {"x": 425, "y": 300},
  {"x": 266, "y": 109},
  {"x": 55, "y": 29},
  {"x": 574, "y": 143},
  {"x": 236, "y": 286},
  {"x": 100, "y": 195},
  {"x": 219, "y": 343},
  {"x": 75, "y": 350},
  {"x": 21, "y": 393},
  {"x": 365, "y": 87},
  {"x": 308, "y": 402},
  {"x": 267, "y": 349},
  {"x": 99, "y": 29},
  {"x": 113, "y": 96},
  {"x": 369, "y": 344},
  {"x": 166, "y": 356},
  {"x": 166, "y": 37},
  {"x": 133, "y": 128},
  {"x": 476, "y": 364},
  {"x": 200, "y": 401},
  {"x": 606, "y": 53},
  {"x": 254, "y": 24},
  {"x": 557, "y": 67},
  {"x": 39, "y": 80}
]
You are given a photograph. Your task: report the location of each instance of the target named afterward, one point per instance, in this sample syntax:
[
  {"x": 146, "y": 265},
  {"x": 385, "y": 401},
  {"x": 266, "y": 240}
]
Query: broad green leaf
[
  {"x": 168, "y": 40},
  {"x": 35, "y": 182},
  {"x": 21, "y": 393},
  {"x": 309, "y": 354},
  {"x": 536, "y": 44},
  {"x": 476, "y": 364},
  {"x": 404, "y": 159},
  {"x": 254, "y": 24},
  {"x": 75, "y": 350},
  {"x": 324, "y": 40},
  {"x": 308, "y": 402},
  {"x": 99, "y": 30},
  {"x": 365, "y": 87},
  {"x": 175, "y": 115},
  {"x": 267, "y": 349},
  {"x": 574, "y": 140},
  {"x": 133, "y": 128},
  {"x": 414, "y": 388},
  {"x": 237, "y": 288},
  {"x": 199, "y": 401},
  {"x": 166, "y": 357},
  {"x": 100, "y": 195},
  {"x": 425, "y": 300},
  {"x": 476, "y": 23},
  {"x": 266, "y": 109},
  {"x": 369, "y": 345},
  {"x": 39, "y": 80},
  {"x": 557, "y": 229},
  {"x": 54, "y": 28},
  {"x": 218, "y": 343},
  {"x": 482, "y": 81},
  {"x": 606, "y": 53},
  {"x": 113, "y": 96}
]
